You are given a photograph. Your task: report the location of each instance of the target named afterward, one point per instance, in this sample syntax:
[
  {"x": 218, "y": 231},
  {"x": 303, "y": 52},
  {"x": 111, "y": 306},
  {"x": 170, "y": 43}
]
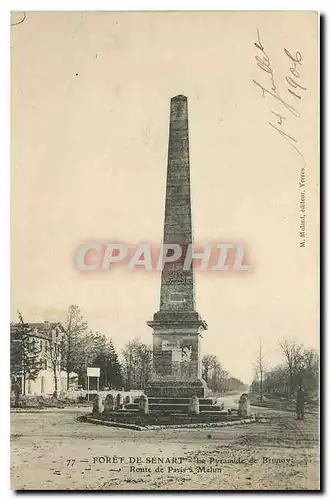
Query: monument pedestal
[{"x": 176, "y": 355}]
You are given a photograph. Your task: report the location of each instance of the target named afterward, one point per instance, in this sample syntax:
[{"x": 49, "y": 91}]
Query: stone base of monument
[
  {"x": 165, "y": 411},
  {"x": 176, "y": 389},
  {"x": 173, "y": 406},
  {"x": 135, "y": 420}
]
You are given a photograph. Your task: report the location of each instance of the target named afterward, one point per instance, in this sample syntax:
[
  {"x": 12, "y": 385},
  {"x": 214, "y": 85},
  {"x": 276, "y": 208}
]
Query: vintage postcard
[{"x": 164, "y": 326}]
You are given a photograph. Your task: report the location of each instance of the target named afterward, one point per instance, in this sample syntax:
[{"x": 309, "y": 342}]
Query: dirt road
[{"x": 53, "y": 451}]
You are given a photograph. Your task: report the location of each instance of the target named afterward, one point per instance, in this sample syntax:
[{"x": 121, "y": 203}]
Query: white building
[{"x": 45, "y": 336}]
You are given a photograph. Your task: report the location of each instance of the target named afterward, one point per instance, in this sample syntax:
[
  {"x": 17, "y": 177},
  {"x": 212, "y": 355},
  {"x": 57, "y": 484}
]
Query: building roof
[{"x": 41, "y": 330}]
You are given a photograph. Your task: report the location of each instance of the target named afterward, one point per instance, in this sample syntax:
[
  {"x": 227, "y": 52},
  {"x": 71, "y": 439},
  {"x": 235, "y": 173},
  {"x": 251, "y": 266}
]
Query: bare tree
[
  {"x": 209, "y": 362},
  {"x": 84, "y": 355},
  {"x": 220, "y": 376},
  {"x": 74, "y": 328},
  {"x": 137, "y": 364},
  {"x": 213, "y": 373},
  {"x": 293, "y": 353},
  {"x": 308, "y": 369},
  {"x": 260, "y": 369},
  {"x": 54, "y": 356}
]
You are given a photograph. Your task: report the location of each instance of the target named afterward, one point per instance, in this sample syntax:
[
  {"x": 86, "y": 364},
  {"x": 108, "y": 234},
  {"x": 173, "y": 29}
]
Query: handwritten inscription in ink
[{"x": 287, "y": 105}]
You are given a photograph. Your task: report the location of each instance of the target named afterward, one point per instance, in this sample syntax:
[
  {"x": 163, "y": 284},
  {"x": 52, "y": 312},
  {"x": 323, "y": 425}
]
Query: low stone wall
[{"x": 196, "y": 425}]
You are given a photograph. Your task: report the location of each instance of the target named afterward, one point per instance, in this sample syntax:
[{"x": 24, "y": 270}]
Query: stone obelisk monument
[{"x": 177, "y": 327}]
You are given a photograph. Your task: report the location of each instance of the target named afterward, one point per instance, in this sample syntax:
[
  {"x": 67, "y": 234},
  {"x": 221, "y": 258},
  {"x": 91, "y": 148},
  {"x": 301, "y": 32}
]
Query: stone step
[
  {"x": 130, "y": 411},
  {"x": 170, "y": 408},
  {"x": 202, "y": 401}
]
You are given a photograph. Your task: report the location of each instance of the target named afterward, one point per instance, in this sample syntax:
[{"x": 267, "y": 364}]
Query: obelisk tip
[{"x": 179, "y": 97}]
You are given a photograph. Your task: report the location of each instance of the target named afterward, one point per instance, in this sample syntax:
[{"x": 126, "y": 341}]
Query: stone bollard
[
  {"x": 97, "y": 405},
  {"x": 109, "y": 404},
  {"x": 144, "y": 404},
  {"x": 244, "y": 406},
  {"x": 119, "y": 401},
  {"x": 194, "y": 406},
  {"x": 128, "y": 400}
]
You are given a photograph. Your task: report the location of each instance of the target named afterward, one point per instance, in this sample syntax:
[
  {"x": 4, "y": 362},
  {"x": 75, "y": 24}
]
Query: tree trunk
[
  {"x": 68, "y": 373},
  {"x": 291, "y": 382},
  {"x": 55, "y": 384},
  {"x": 17, "y": 394},
  {"x": 68, "y": 365}
]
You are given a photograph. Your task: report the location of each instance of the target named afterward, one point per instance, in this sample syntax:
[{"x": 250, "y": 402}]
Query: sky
[{"x": 90, "y": 113}]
